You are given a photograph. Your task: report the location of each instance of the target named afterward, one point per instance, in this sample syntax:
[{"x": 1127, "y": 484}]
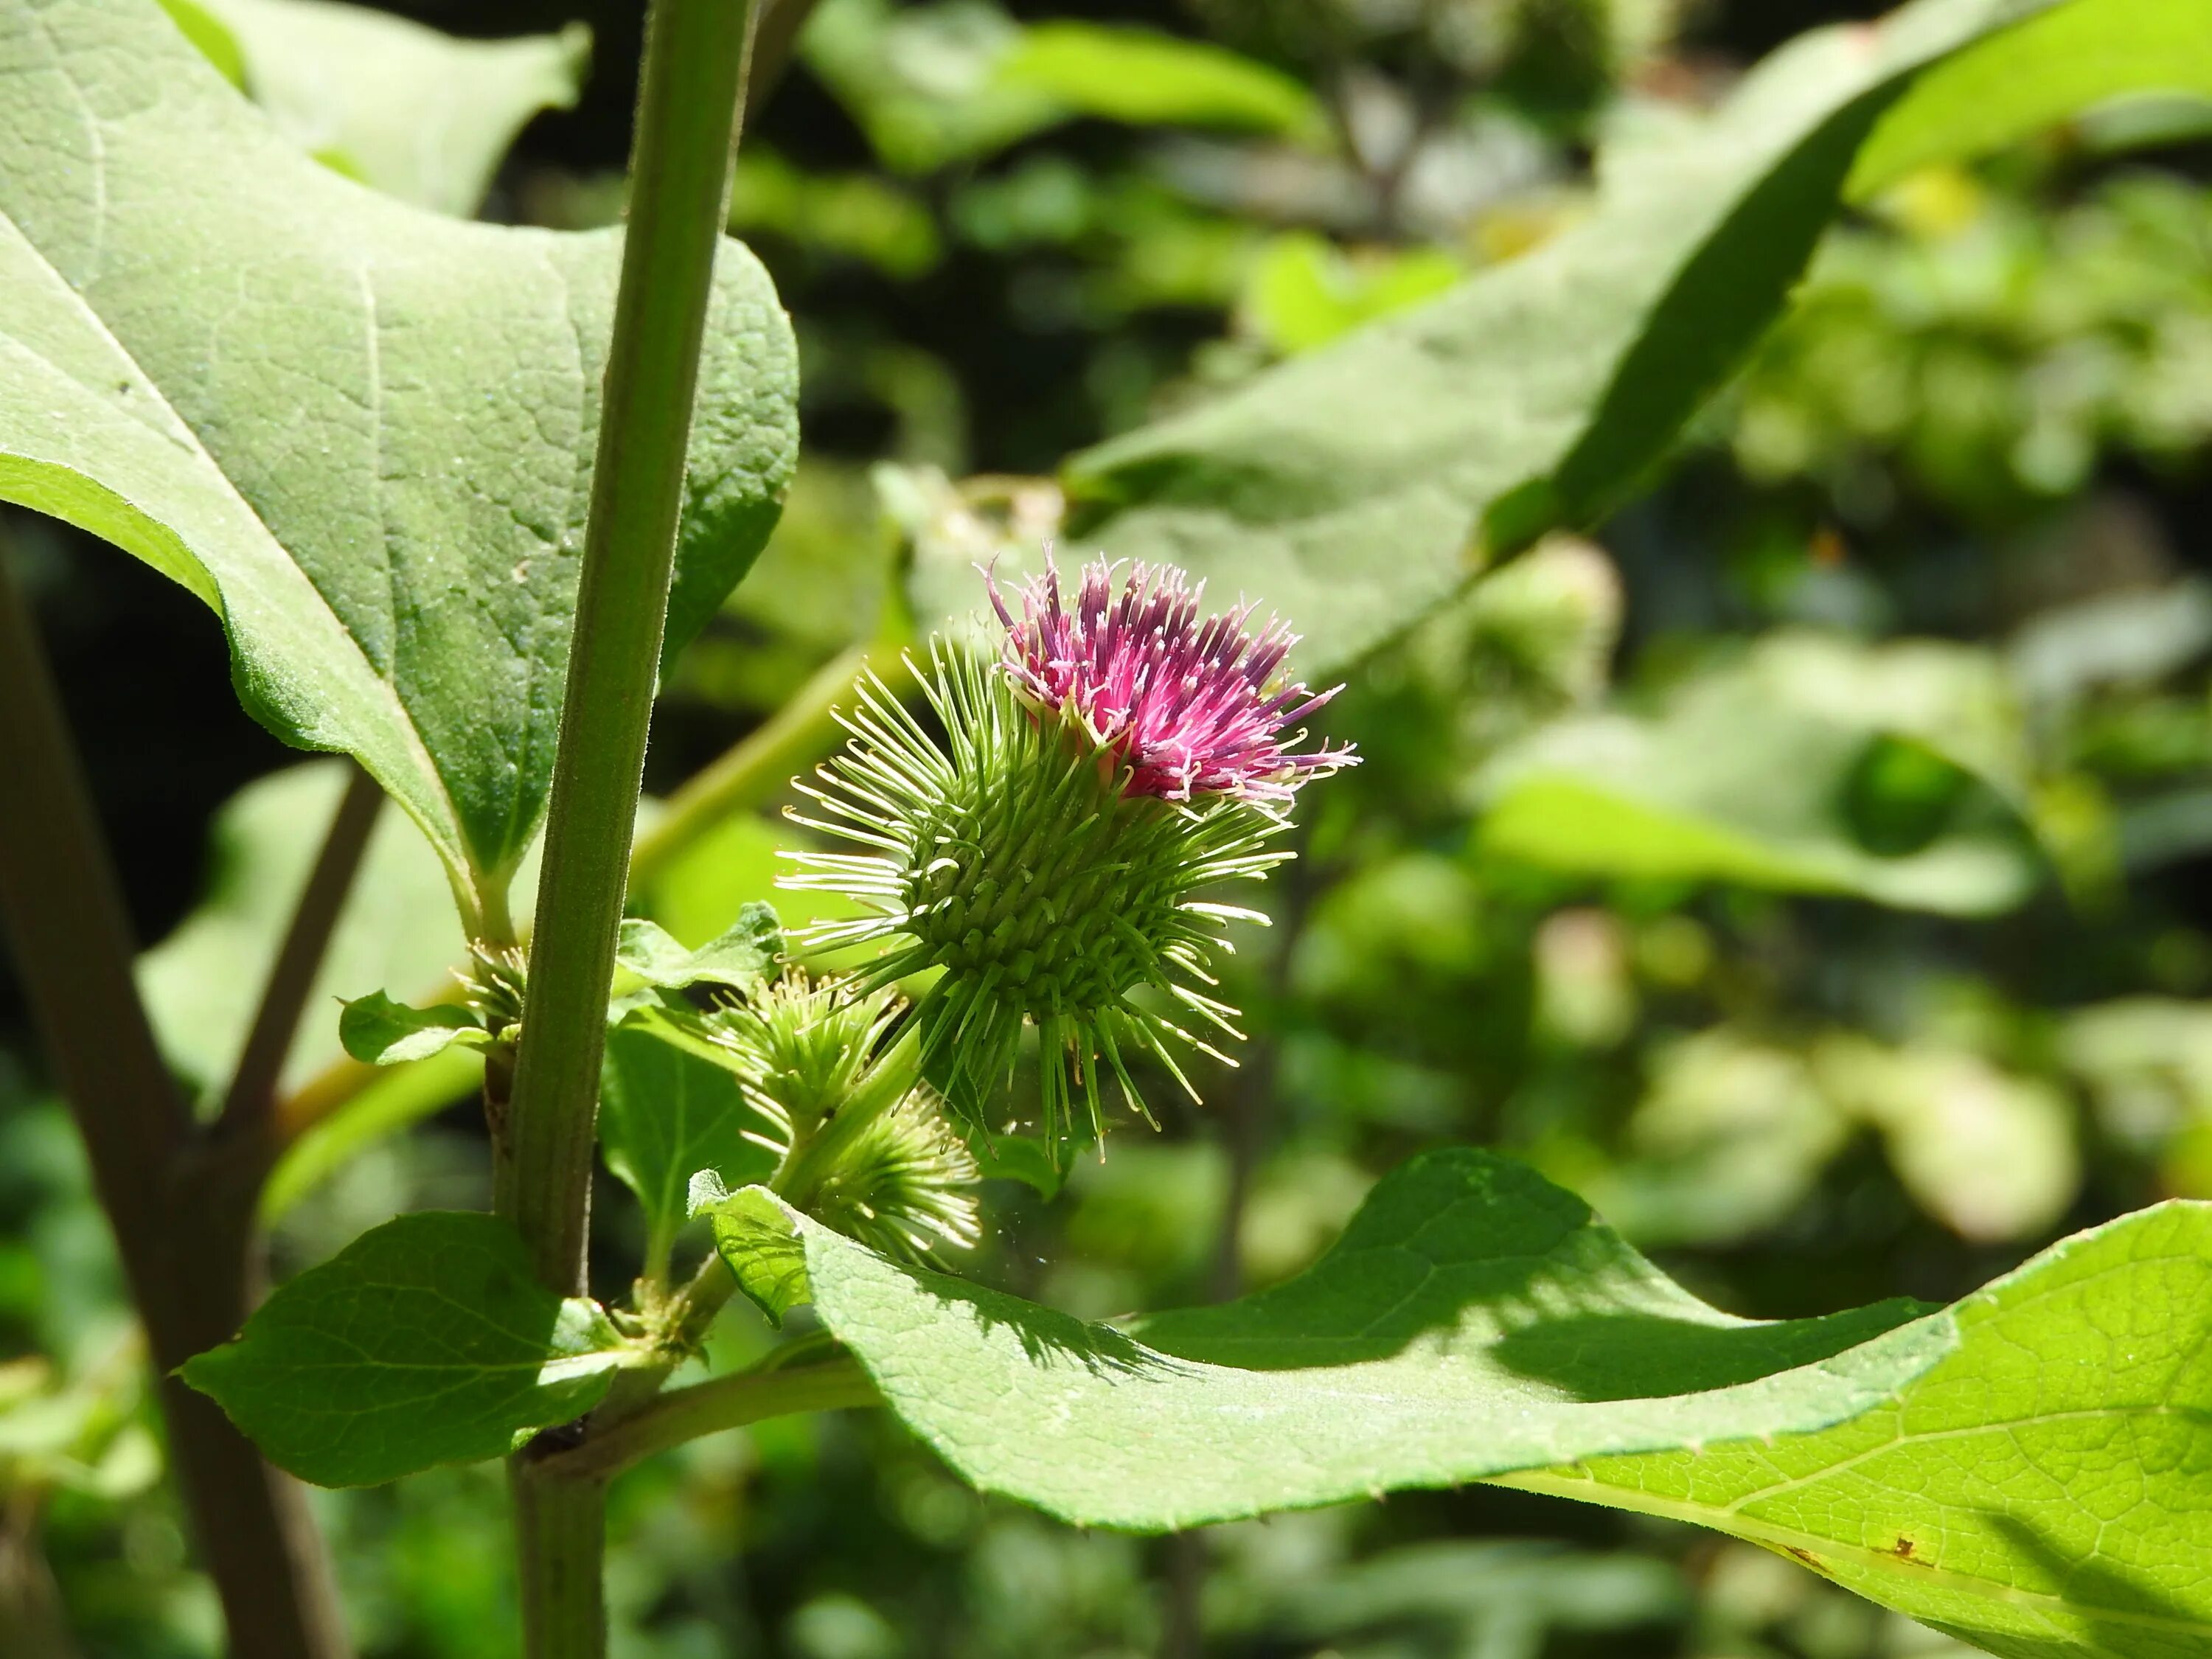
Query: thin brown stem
[
  {"x": 181, "y": 1225},
  {"x": 34, "y": 1623},
  {"x": 250, "y": 1105}
]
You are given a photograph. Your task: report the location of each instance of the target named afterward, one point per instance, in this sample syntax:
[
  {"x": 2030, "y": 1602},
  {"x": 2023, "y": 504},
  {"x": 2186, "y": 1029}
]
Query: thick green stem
[
  {"x": 560, "y": 1526},
  {"x": 689, "y": 105},
  {"x": 687, "y": 124},
  {"x": 182, "y": 1209}
]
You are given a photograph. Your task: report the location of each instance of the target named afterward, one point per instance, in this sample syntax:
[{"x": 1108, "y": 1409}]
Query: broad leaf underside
[{"x": 362, "y": 433}]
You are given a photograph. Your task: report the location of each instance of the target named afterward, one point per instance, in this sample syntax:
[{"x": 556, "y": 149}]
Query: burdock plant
[{"x": 1049, "y": 854}]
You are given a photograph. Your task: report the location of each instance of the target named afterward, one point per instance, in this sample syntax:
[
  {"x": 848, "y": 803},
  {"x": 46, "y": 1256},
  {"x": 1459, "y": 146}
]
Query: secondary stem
[
  {"x": 560, "y": 1526},
  {"x": 183, "y": 1225},
  {"x": 795, "y": 737},
  {"x": 250, "y": 1105},
  {"x": 727, "y": 1402}
]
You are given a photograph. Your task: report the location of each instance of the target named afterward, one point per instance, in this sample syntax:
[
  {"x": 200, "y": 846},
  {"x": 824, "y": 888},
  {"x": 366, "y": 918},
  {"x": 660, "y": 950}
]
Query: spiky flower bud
[
  {"x": 1120, "y": 758},
  {"x": 863, "y": 1142}
]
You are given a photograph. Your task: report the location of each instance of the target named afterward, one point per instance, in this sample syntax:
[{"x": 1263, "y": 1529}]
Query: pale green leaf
[
  {"x": 378, "y": 1032},
  {"x": 203, "y": 982},
  {"x": 2025, "y": 1469},
  {"x": 360, "y": 432},
  {"x": 2052, "y": 67},
  {"x": 2043, "y": 1492},
  {"x": 418, "y": 114},
  {"x": 665, "y": 1114},
  {"x": 426, "y": 1340},
  {"x": 1778, "y": 772},
  {"x": 1357, "y": 486},
  {"x": 1144, "y": 78}
]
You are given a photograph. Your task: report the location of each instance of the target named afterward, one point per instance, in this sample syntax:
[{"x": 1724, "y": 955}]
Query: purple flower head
[{"x": 1193, "y": 706}]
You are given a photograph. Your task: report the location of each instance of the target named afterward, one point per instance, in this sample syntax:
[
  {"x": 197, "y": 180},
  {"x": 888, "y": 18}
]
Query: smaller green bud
[{"x": 864, "y": 1142}]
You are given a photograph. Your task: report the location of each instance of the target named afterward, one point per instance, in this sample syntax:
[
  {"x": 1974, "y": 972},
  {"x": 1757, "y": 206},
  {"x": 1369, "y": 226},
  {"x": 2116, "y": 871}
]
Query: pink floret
[{"x": 1193, "y": 707}]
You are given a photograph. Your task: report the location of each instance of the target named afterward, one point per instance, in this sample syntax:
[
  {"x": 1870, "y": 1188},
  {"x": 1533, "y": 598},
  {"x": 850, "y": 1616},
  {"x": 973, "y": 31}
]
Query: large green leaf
[
  {"x": 1357, "y": 485},
  {"x": 1814, "y": 765},
  {"x": 1478, "y": 1319},
  {"x": 2043, "y": 1491},
  {"x": 2057, "y": 65},
  {"x": 420, "y": 115},
  {"x": 360, "y": 431},
  {"x": 426, "y": 1340},
  {"x": 2033, "y": 1459}
]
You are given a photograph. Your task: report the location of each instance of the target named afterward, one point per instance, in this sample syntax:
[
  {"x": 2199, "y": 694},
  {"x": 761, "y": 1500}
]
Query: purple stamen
[{"x": 1192, "y": 708}]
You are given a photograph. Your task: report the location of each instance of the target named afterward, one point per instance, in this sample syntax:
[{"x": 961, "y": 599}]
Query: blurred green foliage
[{"x": 1809, "y": 868}]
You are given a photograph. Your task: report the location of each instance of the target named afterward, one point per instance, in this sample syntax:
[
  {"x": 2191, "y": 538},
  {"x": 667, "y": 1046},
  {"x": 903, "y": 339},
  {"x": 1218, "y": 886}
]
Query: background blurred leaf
[
  {"x": 1150, "y": 79},
  {"x": 409, "y": 435},
  {"x": 418, "y": 114},
  {"x": 427, "y": 1340},
  {"x": 398, "y": 928},
  {"x": 1782, "y": 771},
  {"x": 1730, "y": 1137},
  {"x": 923, "y": 80},
  {"x": 1494, "y": 1599},
  {"x": 2032, "y": 77},
  {"x": 1359, "y": 485},
  {"x": 1990, "y": 1154}
]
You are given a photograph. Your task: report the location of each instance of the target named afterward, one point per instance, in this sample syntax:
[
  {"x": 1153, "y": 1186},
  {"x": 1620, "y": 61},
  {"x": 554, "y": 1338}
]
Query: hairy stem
[
  {"x": 182, "y": 1217},
  {"x": 560, "y": 1525},
  {"x": 727, "y": 1402},
  {"x": 690, "y": 100},
  {"x": 250, "y": 1105},
  {"x": 687, "y": 124}
]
